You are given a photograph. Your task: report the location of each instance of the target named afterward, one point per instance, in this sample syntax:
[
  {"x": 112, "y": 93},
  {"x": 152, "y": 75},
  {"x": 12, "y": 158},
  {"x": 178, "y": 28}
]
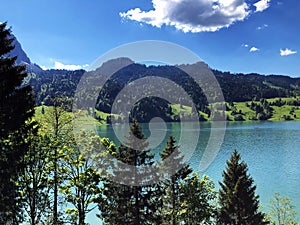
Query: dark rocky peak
[{"x": 22, "y": 58}]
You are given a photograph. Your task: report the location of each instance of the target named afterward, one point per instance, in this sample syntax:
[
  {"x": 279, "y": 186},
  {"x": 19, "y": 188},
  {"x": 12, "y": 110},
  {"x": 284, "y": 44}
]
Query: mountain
[
  {"x": 22, "y": 58},
  {"x": 123, "y": 71}
]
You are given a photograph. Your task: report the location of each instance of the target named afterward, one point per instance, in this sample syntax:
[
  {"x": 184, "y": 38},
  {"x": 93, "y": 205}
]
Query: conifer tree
[
  {"x": 130, "y": 204},
  {"x": 176, "y": 172},
  {"x": 16, "y": 108},
  {"x": 238, "y": 202}
]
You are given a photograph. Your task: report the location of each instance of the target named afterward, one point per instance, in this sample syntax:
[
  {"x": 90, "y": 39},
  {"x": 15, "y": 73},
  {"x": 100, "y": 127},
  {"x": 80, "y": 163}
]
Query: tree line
[
  {"x": 48, "y": 174},
  {"x": 235, "y": 87}
]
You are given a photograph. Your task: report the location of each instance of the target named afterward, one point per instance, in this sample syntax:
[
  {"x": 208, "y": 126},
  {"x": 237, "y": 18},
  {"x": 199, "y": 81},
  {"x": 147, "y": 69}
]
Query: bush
[{"x": 239, "y": 117}]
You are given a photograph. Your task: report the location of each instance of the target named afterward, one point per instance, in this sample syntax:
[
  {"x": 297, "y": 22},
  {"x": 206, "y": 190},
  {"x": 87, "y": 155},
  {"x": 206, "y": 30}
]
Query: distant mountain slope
[
  {"x": 244, "y": 87},
  {"x": 50, "y": 83},
  {"x": 236, "y": 87},
  {"x": 22, "y": 57},
  {"x": 18, "y": 51}
]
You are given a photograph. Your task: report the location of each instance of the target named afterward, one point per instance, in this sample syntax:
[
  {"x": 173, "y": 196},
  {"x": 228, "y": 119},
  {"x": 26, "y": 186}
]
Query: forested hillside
[{"x": 235, "y": 87}]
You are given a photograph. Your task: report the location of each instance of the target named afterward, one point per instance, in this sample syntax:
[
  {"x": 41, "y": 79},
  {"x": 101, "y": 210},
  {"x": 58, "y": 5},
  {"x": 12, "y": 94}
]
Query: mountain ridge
[
  {"x": 22, "y": 58},
  {"x": 237, "y": 87}
]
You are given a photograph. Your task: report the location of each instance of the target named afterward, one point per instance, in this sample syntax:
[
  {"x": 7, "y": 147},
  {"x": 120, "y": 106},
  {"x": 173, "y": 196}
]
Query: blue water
[{"x": 270, "y": 149}]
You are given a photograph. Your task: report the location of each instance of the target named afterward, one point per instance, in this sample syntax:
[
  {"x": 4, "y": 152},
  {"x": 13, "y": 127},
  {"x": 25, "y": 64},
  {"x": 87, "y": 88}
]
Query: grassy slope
[
  {"x": 278, "y": 113},
  {"x": 84, "y": 120}
]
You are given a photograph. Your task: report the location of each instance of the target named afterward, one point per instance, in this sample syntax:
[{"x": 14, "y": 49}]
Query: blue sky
[{"x": 230, "y": 35}]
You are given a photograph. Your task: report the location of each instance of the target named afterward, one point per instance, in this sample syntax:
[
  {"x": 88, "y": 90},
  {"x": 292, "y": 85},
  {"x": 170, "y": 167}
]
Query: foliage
[
  {"x": 16, "y": 108},
  {"x": 127, "y": 203},
  {"x": 35, "y": 188},
  {"x": 81, "y": 179},
  {"x": 56, "y": 123},
  {"x": 198, "y": 203},
  {"x": 237, "y": 199},
  {"x": 49, "y": 84},
  {"x": 246, "y": 87},
  {"x": 175, "y": 171},
  {"x": 282, "y": 211},
  {"x": 273, "y": 109}
]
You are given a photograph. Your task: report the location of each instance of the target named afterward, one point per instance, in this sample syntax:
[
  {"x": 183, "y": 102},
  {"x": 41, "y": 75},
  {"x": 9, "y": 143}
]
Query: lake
[{"x": 270, "y": 149}]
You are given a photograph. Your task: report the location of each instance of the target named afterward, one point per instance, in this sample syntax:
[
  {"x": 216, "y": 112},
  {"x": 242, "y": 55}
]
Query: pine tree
[
  {"x": 176, "y": 172},
  {"x": 238, "y": 202},
  {"x": 131, "y": 204},
  {"x": 16, "y": 108}
]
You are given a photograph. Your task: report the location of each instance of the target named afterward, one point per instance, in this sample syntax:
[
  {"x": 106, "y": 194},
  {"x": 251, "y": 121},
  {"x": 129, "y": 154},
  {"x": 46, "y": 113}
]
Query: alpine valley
[{"x": 248, "y": 96}]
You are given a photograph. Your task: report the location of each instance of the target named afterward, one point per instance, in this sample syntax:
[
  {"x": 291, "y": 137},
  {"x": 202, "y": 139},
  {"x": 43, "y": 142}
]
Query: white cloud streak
[
  {"x": 287, "y": 52},
  {"x": 254, "y": 49},
  {"x": 262, "y": 27},
  {"x": 61, "y": 66},
  {"x": 262, "y": 5},
  {"x": 191, "y": 15}
]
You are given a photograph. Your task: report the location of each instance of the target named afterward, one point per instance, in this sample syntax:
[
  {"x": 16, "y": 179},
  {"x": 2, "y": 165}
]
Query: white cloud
[
  {"x": 262, "y": 27},
  {"x": 61, "y": 66},
  {"x": 191, "y": 15},
  {"x": 245, "y": 45},
  {"x": 44, "y": 67},
  {"x": 287, "y": 52},
  {"x": 262, "y": 5},
  {"x": 254, "y": 49}
]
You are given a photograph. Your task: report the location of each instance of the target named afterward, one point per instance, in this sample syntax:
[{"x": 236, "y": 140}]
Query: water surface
[{"x": 270, "y": 149}]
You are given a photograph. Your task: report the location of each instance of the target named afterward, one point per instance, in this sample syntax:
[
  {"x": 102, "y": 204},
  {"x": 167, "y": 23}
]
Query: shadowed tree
[
  {"x": 238, "y": 202},
  {"x": 16, "y": 108},
  {"x": 126, "y": 203},
  {"x": 175, "y": 172}
]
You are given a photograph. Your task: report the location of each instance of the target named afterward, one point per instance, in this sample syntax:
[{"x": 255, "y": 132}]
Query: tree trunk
[
  {"x": 173, "y": 202},
  {"x": 81, "y": 213},
  {"x": 55, "y": 201},
  {"x": 33, "y": 206},
  {"x": 137, "y": 206}
]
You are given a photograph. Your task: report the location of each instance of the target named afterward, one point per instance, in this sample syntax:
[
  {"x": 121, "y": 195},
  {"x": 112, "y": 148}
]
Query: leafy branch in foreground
[
  {"x": 282, "y": 211},
  {"x": 35, "y": 188},
  {"x": 81, "y": 186}
]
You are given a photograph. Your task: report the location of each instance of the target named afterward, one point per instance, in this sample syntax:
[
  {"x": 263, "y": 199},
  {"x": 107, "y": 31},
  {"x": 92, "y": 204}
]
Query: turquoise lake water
[{"x": 270, "y": 149}]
